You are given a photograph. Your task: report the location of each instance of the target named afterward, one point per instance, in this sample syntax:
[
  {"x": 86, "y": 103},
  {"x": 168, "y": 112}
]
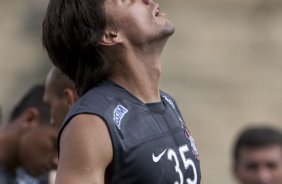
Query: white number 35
[{"x": 172, "y": 156}]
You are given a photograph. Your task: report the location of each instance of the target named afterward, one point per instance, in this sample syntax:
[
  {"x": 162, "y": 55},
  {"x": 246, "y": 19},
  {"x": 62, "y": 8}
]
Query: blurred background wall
[{"x": 223, "y": 66}]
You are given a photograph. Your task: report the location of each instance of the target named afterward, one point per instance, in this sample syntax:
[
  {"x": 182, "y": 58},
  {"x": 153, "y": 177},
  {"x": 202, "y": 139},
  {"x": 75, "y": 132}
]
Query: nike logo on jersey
[{"x": 157, "y": 158}]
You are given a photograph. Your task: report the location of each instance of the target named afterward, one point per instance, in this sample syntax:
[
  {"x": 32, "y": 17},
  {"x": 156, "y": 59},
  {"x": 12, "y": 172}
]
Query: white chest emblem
[
  {"x": 118, "y": 114},
  {"x": 169, "y": 101}
]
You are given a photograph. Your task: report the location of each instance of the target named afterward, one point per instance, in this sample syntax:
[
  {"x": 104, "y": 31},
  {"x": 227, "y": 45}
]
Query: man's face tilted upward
[
  {"x": 82, "y": 36},
  {"x": 139, "y": 22}
]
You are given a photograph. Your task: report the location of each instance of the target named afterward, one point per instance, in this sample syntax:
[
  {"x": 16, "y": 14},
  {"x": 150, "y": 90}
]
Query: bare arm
[{"x": 85, "y": 151}]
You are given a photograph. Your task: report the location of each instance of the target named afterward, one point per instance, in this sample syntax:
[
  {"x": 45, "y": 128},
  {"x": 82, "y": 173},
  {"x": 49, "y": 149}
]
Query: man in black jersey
[
  {"x": 257, "y": 156},
  {"x": 123, "y": 127}
]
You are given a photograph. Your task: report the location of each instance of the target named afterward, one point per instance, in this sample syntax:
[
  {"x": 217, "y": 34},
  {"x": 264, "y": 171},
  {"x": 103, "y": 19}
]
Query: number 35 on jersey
[{"x": 172, "y": 156}]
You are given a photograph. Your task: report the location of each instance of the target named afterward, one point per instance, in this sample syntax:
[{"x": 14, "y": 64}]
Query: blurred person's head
[
  {"x": 28, "y": 139},
  {"x": 60, "y": 94},
  {"x": 88, "y": 39},
  {"x": 257, "y": 156}
]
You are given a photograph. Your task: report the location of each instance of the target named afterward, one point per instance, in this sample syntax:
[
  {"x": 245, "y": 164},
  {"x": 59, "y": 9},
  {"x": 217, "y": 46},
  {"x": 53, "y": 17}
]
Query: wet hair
[
  {"x": 33, "y": 98},
  {"x": 256, "y": 137},
  {"x": 72, "y": 30},
  {"x": 59, "y": 82}
]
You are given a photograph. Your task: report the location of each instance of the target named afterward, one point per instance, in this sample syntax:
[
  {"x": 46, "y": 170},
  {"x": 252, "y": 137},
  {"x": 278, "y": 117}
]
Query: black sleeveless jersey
[{"x": 151, "y": 144}]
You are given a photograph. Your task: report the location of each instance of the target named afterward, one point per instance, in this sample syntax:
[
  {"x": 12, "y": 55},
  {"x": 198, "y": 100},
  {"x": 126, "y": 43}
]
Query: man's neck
[
  {"x": 8, "y": 143},
  {"x": 139, "y": 72}
]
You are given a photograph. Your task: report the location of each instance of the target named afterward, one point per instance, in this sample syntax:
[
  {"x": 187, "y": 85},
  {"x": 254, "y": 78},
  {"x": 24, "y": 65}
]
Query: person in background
[
  {"x": 60, "y": 94},
  {"x": 27, "y": 142},
  {"x": 257, "y": 156}
]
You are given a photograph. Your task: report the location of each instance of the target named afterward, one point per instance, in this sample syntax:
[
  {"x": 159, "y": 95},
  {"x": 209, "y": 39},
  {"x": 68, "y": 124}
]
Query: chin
[
  {"x": 170, "y": 29},
  {"x": 167, "y": 30},
  {"x": 162, "y": 33}
]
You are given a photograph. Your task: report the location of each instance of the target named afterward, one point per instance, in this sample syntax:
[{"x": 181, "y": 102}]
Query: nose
[{"x": 264, "y": 176}]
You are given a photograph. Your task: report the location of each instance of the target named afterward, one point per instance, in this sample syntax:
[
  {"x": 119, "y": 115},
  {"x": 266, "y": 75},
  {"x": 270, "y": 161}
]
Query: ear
[
  {"x": 110, "y": 38},
  {"x": 29, "y": 117},
  {"x": 70, "y": 97}
]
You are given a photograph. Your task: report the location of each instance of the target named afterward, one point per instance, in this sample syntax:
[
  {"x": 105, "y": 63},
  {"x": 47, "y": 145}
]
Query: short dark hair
[
  {"x": 256, "y": 137},
  {"x": 33, "y": 98},
  {"x": 59, "y": 81},
  {"x": 71, "y": 33}
]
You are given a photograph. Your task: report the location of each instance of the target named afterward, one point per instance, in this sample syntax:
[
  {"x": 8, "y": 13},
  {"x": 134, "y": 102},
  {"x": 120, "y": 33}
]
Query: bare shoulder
[
  {"x": 85, "y": 150},
  {"x": 87, "y": 128}
]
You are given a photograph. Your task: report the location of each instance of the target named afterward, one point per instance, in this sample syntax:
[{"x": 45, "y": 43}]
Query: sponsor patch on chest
[{"x": 118, "y": 114}]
